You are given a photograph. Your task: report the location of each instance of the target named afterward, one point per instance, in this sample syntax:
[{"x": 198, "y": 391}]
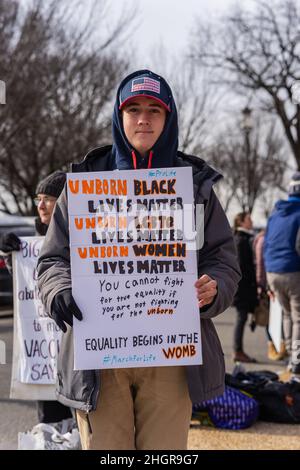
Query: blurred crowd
[{"x": 270, "y": 266}]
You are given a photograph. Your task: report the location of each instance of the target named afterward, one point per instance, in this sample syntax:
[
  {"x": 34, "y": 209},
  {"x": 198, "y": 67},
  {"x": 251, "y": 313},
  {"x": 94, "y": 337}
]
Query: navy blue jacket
[{"x": 281, "y": 254}]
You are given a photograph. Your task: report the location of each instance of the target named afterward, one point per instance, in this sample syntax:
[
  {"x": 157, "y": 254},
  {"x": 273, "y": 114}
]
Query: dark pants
[
  {"x": 52, "y": 411},
  {"x": 239, "y": 326}
]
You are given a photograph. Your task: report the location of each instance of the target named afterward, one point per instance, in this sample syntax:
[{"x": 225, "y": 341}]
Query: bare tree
[
  {"x": 195, "y": 99},
  {"x": 258, "y": 51},
  {"x": 268, "y": 198},
  {"x": 196, "y": 105},
  {"x": 251, "y": 163},
  {"x": 60, "y": 86}
]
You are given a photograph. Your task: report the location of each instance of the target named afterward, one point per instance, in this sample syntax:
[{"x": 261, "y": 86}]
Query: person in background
[
  {"x": 245, "y": 299},
  {"x": 282, "y": 261},
  {"x": 262, "y": 288},
  {"x": 47, "y": 193}
]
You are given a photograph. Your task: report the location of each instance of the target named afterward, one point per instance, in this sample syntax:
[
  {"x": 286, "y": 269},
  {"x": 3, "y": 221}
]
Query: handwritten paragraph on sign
[{"x": 133, "y": 268}]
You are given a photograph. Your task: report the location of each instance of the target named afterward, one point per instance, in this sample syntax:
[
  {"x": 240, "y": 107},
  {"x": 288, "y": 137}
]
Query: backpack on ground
[
  {"x": 279, "y": 402},
  {"x": 232, "y": 410}
]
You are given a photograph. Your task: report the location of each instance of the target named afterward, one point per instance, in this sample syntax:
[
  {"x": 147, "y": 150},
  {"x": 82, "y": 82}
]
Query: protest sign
[
  {"x": 275, "y": 323},
  {"x": 36, "y": 336},
  {"x": 133, "y": 264}
]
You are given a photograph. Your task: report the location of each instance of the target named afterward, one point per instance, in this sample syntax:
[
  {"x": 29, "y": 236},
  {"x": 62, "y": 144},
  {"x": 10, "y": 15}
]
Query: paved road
[
  {"x": 15, "y": 415},
  {"x": 255, "y": 344},
  {"x": 19, "y": 415}
]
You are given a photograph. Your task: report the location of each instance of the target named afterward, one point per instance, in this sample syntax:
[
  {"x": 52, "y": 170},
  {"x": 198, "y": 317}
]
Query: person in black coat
[
  {"x": 245, "y": 299},
  {"x": 47, "y": 193}
]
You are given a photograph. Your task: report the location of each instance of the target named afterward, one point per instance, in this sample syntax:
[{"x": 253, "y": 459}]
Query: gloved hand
[
  {"x": 10, "y": 242},
  {"x": 63, "y": 308}
]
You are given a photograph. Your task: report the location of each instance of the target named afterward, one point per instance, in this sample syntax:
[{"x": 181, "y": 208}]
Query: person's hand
[
  {"x": 63, "y": 308},
  {"x": 207, "y": 289},
  {"x": 10, "y": 242}
]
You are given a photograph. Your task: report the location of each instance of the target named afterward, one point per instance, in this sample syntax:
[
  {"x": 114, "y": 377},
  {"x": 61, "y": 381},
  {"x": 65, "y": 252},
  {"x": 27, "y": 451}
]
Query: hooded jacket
[
  {"x": 217, "y": 258},
  {"x": 164, "y": 151},
  {"x": 282, "y": 238}
]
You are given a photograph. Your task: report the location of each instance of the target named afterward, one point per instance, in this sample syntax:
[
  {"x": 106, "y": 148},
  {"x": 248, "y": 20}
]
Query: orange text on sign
[
  {"x": 103, "y": 251},
  {"x": 98, "y": 186},
  {"x": 178, "y": 352}
]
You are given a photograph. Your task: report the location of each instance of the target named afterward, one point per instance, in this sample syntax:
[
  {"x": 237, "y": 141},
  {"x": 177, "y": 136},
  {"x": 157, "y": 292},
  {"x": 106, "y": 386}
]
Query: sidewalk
[
  {"x": 19, "y": 415},
  {"x": 255, "y": 344},
  {"x": 262, "y": 435}
]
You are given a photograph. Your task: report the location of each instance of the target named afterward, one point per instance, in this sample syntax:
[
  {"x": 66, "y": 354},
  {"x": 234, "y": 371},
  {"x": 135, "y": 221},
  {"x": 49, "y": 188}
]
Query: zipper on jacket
[{"x": 92, "y": 403}]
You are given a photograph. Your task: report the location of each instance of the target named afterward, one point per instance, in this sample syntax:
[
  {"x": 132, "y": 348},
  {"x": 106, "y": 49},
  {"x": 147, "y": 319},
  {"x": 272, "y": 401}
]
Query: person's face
[
  {"x": 45, "y": 206},
  {"x": 247, "y": 223},
  {"x": 143, "y": 122}
]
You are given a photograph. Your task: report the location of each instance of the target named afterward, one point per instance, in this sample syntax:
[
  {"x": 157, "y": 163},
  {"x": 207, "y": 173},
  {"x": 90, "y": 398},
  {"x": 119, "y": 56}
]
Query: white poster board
[
  {"x": 36, "y": 336},
  {"x": 275, "y": 323},
  {"x": 132, "y": 272}
]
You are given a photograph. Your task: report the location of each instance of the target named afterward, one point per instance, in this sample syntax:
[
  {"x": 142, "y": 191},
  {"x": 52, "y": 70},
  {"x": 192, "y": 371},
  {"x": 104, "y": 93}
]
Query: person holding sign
[
  {"x": 47, "y": 192},
  {"x": 282, "y": 260},
  {"x": 141, "y": 407}
]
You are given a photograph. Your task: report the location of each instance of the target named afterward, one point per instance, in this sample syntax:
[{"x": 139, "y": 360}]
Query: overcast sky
[
  {"x": 162, "y": 23},
  {"x": 167, "y": 23}
]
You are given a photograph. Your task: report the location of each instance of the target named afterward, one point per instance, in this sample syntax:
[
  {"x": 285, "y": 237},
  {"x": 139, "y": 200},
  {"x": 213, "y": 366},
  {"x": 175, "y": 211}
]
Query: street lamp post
[{"x": 247, "y": 126}]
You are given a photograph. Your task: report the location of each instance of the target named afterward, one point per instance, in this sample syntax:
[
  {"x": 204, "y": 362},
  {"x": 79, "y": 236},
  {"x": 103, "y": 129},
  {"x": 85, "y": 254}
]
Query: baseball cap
[{"x": 146, "y": 84}]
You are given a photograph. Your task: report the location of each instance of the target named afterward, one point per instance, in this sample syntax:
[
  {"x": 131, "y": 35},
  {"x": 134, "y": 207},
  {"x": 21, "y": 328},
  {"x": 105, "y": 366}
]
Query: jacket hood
[
  {"x": 287, "y": 207},
  {"x": 164, "y": 150}
]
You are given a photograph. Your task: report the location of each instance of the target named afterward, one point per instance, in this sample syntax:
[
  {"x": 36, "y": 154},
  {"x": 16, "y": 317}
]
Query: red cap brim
[{"x": 145, "y": 96}]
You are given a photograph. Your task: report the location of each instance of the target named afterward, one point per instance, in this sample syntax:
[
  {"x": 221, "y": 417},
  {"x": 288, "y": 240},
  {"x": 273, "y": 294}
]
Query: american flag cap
[{"x": 146, "y": 84}]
